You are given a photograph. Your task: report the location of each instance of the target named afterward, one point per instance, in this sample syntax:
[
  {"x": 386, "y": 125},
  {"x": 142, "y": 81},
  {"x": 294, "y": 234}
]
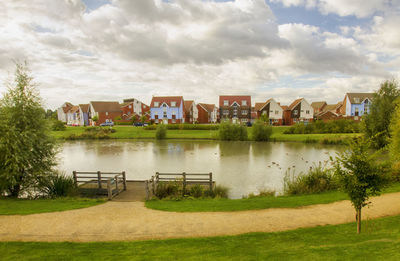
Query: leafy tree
[
  {"x": 360, "y": 175},
  {"x": 394, "y": 147},
  {"x": 377, "y": 122},
  {"x": 264, "y": 118},
  {"x": 95, "y": 118},
  {"x": 57, "y": 125},
  {"x": 51, "y": 114},
  {"x": 143, "y": 119},
  {"x": 27, "y": 151}
]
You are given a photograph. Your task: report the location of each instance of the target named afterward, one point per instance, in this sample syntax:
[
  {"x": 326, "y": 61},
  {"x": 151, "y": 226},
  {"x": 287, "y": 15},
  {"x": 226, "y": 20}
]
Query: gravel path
[{"x": 132, "y": 221}]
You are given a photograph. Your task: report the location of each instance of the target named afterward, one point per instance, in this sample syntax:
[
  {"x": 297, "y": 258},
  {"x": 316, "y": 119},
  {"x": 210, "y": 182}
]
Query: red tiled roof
[
  {"x": 232, "y": 98},
  {"x": 106, "y": 106},
  {"x": 285, "y": 107},
  {"x": 167, "y": 100},
  {"x": 187, "y": 105},
  {"x": 207, "y": 107},
  {"x": 295, "y": 103}
]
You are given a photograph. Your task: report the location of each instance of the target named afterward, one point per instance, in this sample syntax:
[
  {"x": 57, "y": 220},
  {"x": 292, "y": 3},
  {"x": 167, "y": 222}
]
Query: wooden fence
[
  {"x": 186, "y": 179},
  {"x": 100, "y": 183}
]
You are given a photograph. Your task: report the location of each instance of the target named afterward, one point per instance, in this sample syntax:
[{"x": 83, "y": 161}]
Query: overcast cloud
[{"x": 198, "y": 49}]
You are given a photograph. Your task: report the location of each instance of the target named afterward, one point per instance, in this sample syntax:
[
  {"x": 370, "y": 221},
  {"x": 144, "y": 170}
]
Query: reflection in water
[{"x": 245, "y": 167}]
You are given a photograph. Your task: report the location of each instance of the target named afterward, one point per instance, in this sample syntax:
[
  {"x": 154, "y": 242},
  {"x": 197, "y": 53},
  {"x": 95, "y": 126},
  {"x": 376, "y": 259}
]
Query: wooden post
[
  {"x": 75, "y": 178},
  {"x": 184, "y": 183},
  {"x": 146, "y": 185},
  {"x": 109, "y": 189},
  {"x": 211, "y": 182},
  {"x": 116, "y": 183},
  {"x": 124, "y": 177},
  {"x": 156, "y": 182},
  {"x": 99, "y": 178},
  {"x": 152, "y": 185}
]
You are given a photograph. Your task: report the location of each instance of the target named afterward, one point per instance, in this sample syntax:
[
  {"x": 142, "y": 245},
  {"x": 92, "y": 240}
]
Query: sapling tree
[
  {"x": 27, "y": 151},
  {"x": 360, "y": 175}
]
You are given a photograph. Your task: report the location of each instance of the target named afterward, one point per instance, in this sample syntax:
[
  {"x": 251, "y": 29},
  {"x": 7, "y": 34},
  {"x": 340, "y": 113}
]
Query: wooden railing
[
  {"x": 104, "y": 183},
  {"x": 186, "y": 179}
]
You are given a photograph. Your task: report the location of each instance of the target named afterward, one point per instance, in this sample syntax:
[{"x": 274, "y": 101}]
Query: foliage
[
  {"x": 26, "y": 148},
  {"x": 52, "y": 115},
  {"x": 57, "y": 125},
  {"x": 185, "y": 126},
  {"x": 377, "y": 122},
  {"x": 57, "y": 185},
  {"x": 318, "y": 179},
  {"x": 264, "y": 118},
  {"x": 230, "y": 131},
  {"x": 168, "y": 189},
  {"x": 174, "y": 190},
  {"x": 143, "y": 119},
  {"x": 118, "y": 118},
  {"x": 261, "y": 131},
  {"x": 360, "y": 174},
  {"x": 92, "y": 133},
  {"x": 95, "y": 118},
  {"x": 333, "y": 126},
  {"x": 161, "y": 131},
  {"x": 394, "y": 146}
]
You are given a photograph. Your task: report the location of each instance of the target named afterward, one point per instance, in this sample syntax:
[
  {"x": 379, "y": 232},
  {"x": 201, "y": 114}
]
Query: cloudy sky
[{"x": 83, "y": 50}]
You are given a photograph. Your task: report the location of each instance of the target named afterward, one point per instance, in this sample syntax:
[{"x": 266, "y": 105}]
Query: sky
[{"x": 87, "y": 50}]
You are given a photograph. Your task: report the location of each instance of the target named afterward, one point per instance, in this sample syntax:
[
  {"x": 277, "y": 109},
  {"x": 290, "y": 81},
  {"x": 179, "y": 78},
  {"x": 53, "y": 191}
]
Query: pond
[{"x": 244, "y": 167}]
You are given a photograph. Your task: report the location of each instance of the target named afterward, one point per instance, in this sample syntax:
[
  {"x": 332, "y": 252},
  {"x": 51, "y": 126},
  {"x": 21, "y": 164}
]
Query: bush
[
  {"x": 57, "y": 125},
  {"x": 196, "y": 191},
  {"x": 229, "y": 131},
  {"x": 186, "y": 126},
  {"x": 318, "y": 179},
  {"x": 169, "y": 189},
  {"x": 92, "y": 133},
  {"x": 174, "y": 190},
  {"x": 221, "y": 191},
  {"x": 261, "y": 131},
  {"x": 161, "y": 132},
  {"x": 57, "y": 185},
  {"x": 333, "y": 126}
]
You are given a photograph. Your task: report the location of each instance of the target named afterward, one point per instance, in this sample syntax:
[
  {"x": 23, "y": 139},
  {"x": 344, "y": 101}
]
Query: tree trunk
[
  {"x": 358, "y": 220},
  {"x": 14, "y": 190}
]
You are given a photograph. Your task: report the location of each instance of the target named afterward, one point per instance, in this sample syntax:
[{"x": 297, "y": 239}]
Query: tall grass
[
  {"x": 57, "y": 185},
  {"x": 318, "y": 179}
]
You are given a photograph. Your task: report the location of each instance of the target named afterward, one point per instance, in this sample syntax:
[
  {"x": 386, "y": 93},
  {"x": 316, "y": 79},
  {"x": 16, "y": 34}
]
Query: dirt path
[{"x": 132, "y": 221}]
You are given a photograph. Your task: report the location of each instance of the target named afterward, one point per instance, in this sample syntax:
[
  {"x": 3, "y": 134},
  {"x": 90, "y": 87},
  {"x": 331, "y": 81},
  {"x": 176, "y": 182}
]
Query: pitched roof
[
  {"x": 84, "y": 107},
  {"x": 360, "y": 96},
  {"x": 187, "y": 105},
  {"x": 167, "y": 100},
  {"x": 295, "y": 103},
  {"x": 325, "y": 112},
  {"x": 234, "y": 98},
  {"x": 330, "y": 107},
  {"x": 67, "y": 106},
  {"x": 106, "y": 106},
  {"x": 125, "y": 104},
  {"x": 285, "y": 107},
  {"x": 318, "y": 105},
  {"x": 207, "y": 107},
  {"x": 74, "y": 109},
  {"x": 258, "y": 106}
]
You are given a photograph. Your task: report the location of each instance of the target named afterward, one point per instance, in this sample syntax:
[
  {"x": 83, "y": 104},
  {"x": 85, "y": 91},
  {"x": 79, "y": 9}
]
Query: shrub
[
  {"x": 221, "y": 191},
  {"x": 92, "y": 133},
  {"x": 318, "y": 179},
  {"x": 261, "y": 131},
  {"x": 333, "y": 126},
  {"x": 57, "y": 125},
  {"x": 229, "y": 131},
  {"x": 168, "y": 189},
  {"x": 186, "y": 126},
  {"x": 161, "y": 132},
  {"x": 196, "y": 191},
  {"x": 57, "y": 185}
]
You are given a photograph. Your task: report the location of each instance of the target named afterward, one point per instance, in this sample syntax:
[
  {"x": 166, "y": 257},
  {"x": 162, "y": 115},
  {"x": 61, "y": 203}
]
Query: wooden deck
[{"x": 135, "y": 191}]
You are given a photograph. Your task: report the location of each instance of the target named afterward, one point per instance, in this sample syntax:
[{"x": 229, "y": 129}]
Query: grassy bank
[
  {"x": 25, "y": 206},
  {"x": 129, "y": 132},
  {"x": 380, "y": 240},
  {"x": 207, "y": 205}
]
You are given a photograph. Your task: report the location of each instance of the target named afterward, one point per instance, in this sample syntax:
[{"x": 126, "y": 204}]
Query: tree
[
  {"x": 360, "y": 175},
  {"x": 95, "y": 118},
  {"x": 143, "y": 119},
  {"x": 27, "y": 151},
  {"x": 377, "y": 122},
  {"x": 394, "y": 146}
]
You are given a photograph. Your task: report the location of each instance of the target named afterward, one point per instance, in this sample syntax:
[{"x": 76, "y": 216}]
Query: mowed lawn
[
  {"x": 379, "y": 240},
  {"x": 130, "y": 132},
  {"x": 10, "y": 206}
]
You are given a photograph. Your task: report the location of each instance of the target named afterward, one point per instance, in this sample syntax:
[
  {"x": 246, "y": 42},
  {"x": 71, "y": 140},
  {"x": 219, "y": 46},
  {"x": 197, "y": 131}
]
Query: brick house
[
  {"x": 167, "y": 109},
  {"x": 191, "y": 112},
  {"x": 106, "y": 111},
  {"x": 299, "y": 111},
  {"x": 207, "y": 113},
  {"x": 272, "y": 110},
  {"x": 132, "y": 107},
  {"x": 235, "y": 108}
]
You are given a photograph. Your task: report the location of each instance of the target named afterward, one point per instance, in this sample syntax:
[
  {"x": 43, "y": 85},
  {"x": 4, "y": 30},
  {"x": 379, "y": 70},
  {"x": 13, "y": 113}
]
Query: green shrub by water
[
  {"x": 161, "y": 132},
  {"x": 57, "y": 125},
  {"x": 261, "y": 131},
  {"x": 229, "y": 131},
  {"x": 318, "y": 179},
  {"x": 57, "y": 185},
  {"x": 174, "y": 190},
  {"x": 186, "y": 126},
  {"x": 92, "y": 133},
  {"x": 334, "y": 126}
]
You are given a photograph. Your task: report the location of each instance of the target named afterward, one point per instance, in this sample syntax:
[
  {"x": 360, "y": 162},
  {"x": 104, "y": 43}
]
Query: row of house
[{"x": 235, "y": 108}]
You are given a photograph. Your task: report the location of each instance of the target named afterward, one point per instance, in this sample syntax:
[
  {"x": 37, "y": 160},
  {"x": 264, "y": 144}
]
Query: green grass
[
  {"x": 129, "y": 132},
  {"x": 26, "y": 206},
  {"x": 379, "y": 240},
  {"x": 207, "y": 205}
]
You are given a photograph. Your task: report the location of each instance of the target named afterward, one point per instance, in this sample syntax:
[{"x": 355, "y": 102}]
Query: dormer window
[
  {"x": 244, "y": 103},
  {"x": 156, "y": 104},
  {"x": 173, "y": 104},
  {"x": 357, "y": 100},
  {"x": 226, "y": 102},
  {"x": 164, "y": 105}
]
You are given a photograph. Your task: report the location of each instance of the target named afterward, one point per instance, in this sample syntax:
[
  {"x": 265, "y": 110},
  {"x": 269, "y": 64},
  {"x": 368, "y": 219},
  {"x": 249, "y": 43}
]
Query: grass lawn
[
  {"x": 129, "y": 132},
  {"x": 380, "y": 240},
  {"x": 26, "y": 206},
  {"x": 207, "y": 205}
]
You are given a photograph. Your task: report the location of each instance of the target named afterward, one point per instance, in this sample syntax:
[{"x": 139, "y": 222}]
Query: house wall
[
  {"x": 177, "y": 111},
  {"x": 240, "y": 117},
  {"x": 214, "y": 115},
  {"x": 61, "y": 115},
  {"x": 305, "y": 106},
  {"x": 274, "y": 107},
  {"x": 103, "y": 117},
  {"x": 348, "y": 108},
  {"x": 203, "y": 116}
]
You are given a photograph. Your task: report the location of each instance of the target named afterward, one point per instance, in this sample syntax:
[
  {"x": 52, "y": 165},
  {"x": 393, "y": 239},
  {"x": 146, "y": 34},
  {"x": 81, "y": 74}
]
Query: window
[
  {"x": 165, "y": 114},
  {"x": 173, "y": 120},
  {"x": 295, "y": 112},
  {"x": 107, "y": 113},
  {"x": 226, "y": 112},
  {"x": 173, "y": 116},
  {"x": 356, "y": 111},
  {"x": 271, "y": 111},
  {"x": 235, "y": 112},
  {"x": 173, "y": 104},
  {"x": 226, "y": 102},
  {"x": 156, "y": 117},
  {"x": 244, "y": 120},
  {"x": 156, "y": 104},
  {"x": 130, "y": 106},
  {"x": 164, "y": 105},
  {"x": 264, "y": 112},
  {"x": 144, "y": 106},
  {"x": 307, "y": 112},
  {"x": 244, "y": 112},
  {"x": 276, "y": 112},
  {"x": 244, "y": 103},
  {"x": 129, "y": 113}
]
